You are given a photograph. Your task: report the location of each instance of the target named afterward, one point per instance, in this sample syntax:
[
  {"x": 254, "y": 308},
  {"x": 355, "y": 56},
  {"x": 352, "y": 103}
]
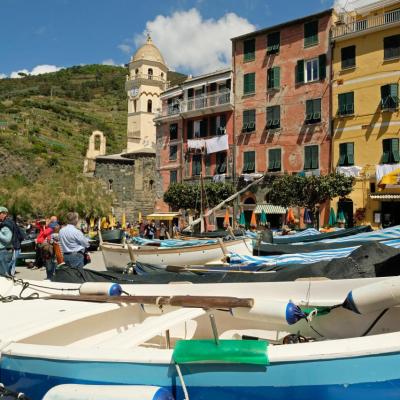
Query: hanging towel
[
  {"x": 349, "y": 171},
  {"x": 217, "y": 143},
  {"x": 195, "y": 144}
]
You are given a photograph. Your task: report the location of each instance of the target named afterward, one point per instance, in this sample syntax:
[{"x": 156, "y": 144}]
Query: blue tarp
[{"x": 171, "y": 242}]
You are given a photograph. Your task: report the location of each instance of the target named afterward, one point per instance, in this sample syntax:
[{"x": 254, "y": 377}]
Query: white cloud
[
  {"x": 38, "y": 70},
  {"x": 108, "y": 61},
  {"x": 189, "y": 43},
  {"x": 2, "y": 76},
  {"x": 125, "y": 48}
]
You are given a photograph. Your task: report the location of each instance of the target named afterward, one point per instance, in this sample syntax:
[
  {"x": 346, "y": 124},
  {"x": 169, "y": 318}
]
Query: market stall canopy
[
  {"x": 269, "y": 209},
  {"x": 163, "y": 216}
]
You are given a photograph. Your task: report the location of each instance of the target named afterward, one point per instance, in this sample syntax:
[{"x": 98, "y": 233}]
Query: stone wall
[{"x": 132, "y": 181}]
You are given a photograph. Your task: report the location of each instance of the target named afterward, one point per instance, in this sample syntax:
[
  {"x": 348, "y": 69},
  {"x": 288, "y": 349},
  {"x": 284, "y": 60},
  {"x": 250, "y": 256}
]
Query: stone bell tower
[{"x": 146, "y": 81}]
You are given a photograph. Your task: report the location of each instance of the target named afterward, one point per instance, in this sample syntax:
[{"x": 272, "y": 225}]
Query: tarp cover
[
  {"x": 226, "y": 351},
  {"x": 368, "y": 261}
]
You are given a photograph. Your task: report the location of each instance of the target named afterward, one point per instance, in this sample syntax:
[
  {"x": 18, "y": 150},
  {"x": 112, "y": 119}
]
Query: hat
[{"x": 3, "y": 210}]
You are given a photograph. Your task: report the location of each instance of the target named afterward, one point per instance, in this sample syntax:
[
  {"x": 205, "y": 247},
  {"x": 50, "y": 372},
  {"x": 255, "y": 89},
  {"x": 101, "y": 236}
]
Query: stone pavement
[{"x": 97, "y": 264}]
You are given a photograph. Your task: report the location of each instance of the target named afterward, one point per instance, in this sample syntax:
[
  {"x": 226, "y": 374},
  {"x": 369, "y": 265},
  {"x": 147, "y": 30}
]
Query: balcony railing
[
  {"x": 197, "y": 103},
  {"x": 201, "y": 102},
  {"x": 149, "y": 77},
  {"x": 356, "y": 26}
]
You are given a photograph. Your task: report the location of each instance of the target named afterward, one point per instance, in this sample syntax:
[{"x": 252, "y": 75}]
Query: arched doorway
[{"x": 346, "y": 205}]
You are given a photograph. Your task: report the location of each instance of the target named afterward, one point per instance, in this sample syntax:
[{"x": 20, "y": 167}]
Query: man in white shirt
[{"x": 73, "y": 242}]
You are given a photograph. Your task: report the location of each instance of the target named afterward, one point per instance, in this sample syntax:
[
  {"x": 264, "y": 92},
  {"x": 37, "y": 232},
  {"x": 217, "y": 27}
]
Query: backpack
[{"x": 18, "y": 234}]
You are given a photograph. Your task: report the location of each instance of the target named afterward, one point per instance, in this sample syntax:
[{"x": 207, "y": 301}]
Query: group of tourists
[{"x": 54, "y": 244}]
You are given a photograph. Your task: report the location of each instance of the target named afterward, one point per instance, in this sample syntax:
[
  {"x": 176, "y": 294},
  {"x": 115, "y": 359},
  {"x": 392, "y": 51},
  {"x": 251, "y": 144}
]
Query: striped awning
[
  {"x": 269, "y": 209},
  {"x": 163, "y": 216},
  {"x": 385, "y": 196}
]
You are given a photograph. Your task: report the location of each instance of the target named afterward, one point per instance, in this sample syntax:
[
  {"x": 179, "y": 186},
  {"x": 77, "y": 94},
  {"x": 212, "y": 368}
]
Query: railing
[
  {"x": 146, "y": 76},
  {"x": 197, "y": 103},
  {"x": 365, "y": 24},
  {"x": 212, "y": 100}
]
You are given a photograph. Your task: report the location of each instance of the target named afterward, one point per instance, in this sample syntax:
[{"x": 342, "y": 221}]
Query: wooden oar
[{"x": 181, "y": 301}]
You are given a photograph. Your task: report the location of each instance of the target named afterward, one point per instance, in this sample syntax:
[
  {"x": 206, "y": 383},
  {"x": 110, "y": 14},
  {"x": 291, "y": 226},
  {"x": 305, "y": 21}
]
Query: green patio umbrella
[
  {"x": 263, "y": 218},
  {"x": 341, "y": 217},
  {"x": 242, "y": 219},
  {"x": 332, "y": 218}
]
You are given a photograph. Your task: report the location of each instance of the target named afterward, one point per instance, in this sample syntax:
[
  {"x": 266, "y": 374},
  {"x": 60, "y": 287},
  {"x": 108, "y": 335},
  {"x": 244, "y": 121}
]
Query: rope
[{"x": 185, "y": 392}]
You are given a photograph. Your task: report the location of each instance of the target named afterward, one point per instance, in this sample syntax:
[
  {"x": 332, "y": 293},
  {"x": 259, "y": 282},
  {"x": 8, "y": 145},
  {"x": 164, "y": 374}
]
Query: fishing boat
[
  {"x": 333, "y": 340},
  {"x": 118, "y": 256}
]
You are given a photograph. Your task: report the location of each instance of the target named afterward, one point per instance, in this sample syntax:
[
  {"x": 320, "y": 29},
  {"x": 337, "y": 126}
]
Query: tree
[
  {"x": 309, "y": 191},
  {"x": 187, "y": 196}
]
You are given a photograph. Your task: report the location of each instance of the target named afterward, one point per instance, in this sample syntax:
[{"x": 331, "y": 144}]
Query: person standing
[
  {"x": 163, "y": 230},
  {"x": 73, "y": 242},
  {"x": 6, "y": 247},
  {"x": 18, "y": 236}
]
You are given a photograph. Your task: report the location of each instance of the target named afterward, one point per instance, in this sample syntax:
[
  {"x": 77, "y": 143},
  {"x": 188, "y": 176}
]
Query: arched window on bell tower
[
  {"x": 149, "y": 106},
  {"x": 150, "y": 73}
]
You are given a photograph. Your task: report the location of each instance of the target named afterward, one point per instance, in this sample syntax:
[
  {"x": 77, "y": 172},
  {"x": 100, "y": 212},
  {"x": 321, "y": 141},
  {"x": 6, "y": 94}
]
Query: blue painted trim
[{"x": 349, "y": 303}]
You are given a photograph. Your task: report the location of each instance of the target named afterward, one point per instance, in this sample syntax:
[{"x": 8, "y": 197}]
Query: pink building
[
  {"x": 195, "y": 132},
  {"x": 282, "y": 101}
]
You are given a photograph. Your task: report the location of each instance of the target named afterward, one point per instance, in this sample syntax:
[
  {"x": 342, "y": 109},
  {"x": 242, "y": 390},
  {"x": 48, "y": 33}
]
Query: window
[
  {"x": 311, "y": 33},
  {"x": 273, "y": 78},
  {"x": 221, "y": 124},
  {"x": 249, "y": 121},
  {"x": 311, "y": 70},
  {"x": 196, "y": 165},
  {"x": 346, "y": 154},
  {"x": 249, "y": 162},
  {"x": 189, "y": 127},
  {"x": 273, "y": 42},
  {"x": 173, "y": 176},
  {"x": 249, "y": 81},
  {"x": 346, "y": 103},
  {"x": 274, "y": 160},
  {"x": 391, "y": 46},
  {"x": 220, "y": 162},
  {"x": 313, "y": 111},
  {"x": 273, "y": 117},
  {"x": 390, "y": 96},
  {"x": 173, "y": 106},
  {"x": 249, "y": 50},
  {"x": 150, "y": 73},
  {"x": 173, "y": 132},
  {"x": 149, "y": 106},
  {"x": 348, "y": 57},
  {"x": 173, "y": 152},
  {"x": 311, "y": 157},
  {"x": 390, "y": 151}
]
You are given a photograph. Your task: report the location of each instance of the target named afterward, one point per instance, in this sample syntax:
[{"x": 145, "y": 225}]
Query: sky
[{"x": 38, "y": 36}]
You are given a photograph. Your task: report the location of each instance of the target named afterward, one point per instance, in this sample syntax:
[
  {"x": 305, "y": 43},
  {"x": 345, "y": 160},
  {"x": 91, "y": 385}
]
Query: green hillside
[{"x": 46, "y": 120}]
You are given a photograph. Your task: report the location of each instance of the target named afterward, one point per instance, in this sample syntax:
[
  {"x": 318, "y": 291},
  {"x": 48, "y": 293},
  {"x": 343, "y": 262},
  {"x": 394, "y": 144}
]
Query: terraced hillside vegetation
[{"x": 45, "y": 124}]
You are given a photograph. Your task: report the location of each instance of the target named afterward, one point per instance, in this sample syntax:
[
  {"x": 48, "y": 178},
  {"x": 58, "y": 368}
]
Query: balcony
[
  {"x": 214, "y": 102},
  {"x": 358, "y": 27},
  {"x": 145, "y": 79}
]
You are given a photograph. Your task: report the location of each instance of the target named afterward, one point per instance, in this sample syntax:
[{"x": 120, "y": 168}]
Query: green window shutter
[
  {"x": 269, "y": 78},
  {"x": 278, "y": 159},
  {"x": 245, "y": 161},
  {"x": 249, "y": 83},
  {"x": 391, "y": 47},
  {"x": 385, "y": 93},
  {"x": 350, "y": 153},
  {"x": 386, "y": 145},
  {"x": 309, "y": 110},
  {"x": 350, "y": 103},
  {"x": 314, "y": 157},
  {"x": 342, "y": 104},
  {"x": 300, "y": 71},
  {"x": 277, "y": 77},
  {"x": 249, "y": 47},
  {"x": 307, "y": 157},
  {"x": 322, "y": 66},
  {"x": 395, "y": 150},
  {"x": 342, "y": 154},
  {"x": 271, "y": 160},
  {"x": 310, "y": 33},
  {"x": 274, "y": 160},
  {"x": 348, "y": 57},
  {"x": 270, "y": 117}
]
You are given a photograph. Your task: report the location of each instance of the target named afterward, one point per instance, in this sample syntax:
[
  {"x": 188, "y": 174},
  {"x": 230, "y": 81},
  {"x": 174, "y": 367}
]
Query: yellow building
[{"x": 365, "y": 109}]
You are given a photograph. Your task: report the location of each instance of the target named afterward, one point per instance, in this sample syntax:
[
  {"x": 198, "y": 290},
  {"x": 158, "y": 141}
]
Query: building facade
[
  {"x": 282, "y": 102},
  {"x": 366, "y": 119},
  {"x": 195, "y": 132}
]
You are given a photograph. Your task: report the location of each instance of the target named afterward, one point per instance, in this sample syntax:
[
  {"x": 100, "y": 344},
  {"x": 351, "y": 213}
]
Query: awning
[
  {"x": 385, "y": 196},
  {"x": 163, "y": 216},
  {"x": 270, "y": 209}
]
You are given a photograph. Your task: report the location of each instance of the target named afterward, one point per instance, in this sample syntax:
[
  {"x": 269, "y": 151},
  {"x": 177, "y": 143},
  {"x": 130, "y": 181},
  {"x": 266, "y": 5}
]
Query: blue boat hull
[{"x": 364, "y": 378}]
